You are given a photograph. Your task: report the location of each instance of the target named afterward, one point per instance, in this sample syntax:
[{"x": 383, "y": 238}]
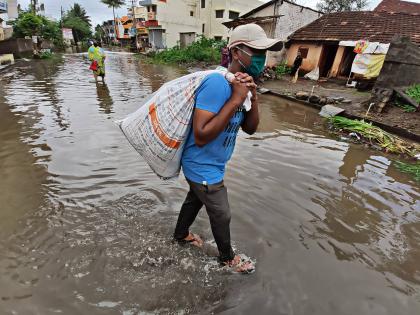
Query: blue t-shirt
[{"x": 207, "y": 163}]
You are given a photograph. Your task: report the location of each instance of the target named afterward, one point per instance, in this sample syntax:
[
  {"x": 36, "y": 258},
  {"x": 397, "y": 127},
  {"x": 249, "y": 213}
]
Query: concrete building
[
  {"x": 12, "y": 9},
  {"x": 172, "y": 22},
  {"x": 180, "y": 21},
  {"x": 124, "y": 26},
  {"x": 279, "y": 19},
  {"x": 3, "y": 14},
  {"x": 8, "y": 12},
  {"x": 215, "y": 12},
  {"x": 3, "y": 6}
]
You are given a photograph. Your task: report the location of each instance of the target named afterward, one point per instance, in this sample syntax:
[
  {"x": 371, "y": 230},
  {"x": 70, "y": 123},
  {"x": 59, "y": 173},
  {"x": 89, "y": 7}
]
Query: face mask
[{"x": 256, "y": 66}]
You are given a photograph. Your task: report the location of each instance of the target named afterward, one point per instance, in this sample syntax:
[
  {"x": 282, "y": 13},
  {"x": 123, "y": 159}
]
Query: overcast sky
[{"x": 99, "y": 12}]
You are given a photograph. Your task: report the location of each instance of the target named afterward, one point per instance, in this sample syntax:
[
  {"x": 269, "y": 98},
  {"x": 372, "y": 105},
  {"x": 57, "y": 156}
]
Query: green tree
[
  {"x": 27, "y": 24},
  {"x": 81, "y": 30},
  {"x": 114, "y": 4},
  {"x": 77, "y": 19},
  {"x": 79, "y": 12},
  {"x": 328, "y": 6},
  {"x": 52, "y": 31},
  {"x": 99, "y": 33}
]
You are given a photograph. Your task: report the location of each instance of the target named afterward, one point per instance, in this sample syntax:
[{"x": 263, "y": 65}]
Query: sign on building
[
  {"x": 140, "y": 13},
  {"x": 68, "y": 34},
  {"x": 3, "y": 6}
]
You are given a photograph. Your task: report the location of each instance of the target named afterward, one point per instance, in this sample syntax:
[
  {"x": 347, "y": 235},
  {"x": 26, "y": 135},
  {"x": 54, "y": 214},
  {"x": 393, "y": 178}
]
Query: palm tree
[
  {"x": 78, "y": 11},
  {"x": 77, "y": 19},
  {"x": 114, "y": 4}
]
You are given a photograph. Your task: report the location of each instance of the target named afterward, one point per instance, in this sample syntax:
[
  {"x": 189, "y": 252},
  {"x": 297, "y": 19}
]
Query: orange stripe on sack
[{"x": 171, "y": 143}]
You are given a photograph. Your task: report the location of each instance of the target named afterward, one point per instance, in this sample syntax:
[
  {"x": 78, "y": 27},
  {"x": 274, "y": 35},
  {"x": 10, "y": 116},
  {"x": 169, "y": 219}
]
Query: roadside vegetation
[
  {"x": 414, "y": 92},
  {"x": 282, "y": 69},
  {"x": 373, "y": 135},
  {"x": 202, "y": 50},
  {"x": 29, "y": 24}
]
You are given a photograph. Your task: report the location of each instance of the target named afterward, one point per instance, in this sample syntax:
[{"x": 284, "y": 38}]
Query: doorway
[
  {"x": 186, "y": 39},
  {"x": 347, "y": 62},
  {"x": 156, "y": 38},
  {"x": 327, "y": 59}
]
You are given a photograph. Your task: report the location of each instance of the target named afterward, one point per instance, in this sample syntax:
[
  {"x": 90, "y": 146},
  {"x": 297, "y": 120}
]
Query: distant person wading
[{"x": 97, "y": 57}]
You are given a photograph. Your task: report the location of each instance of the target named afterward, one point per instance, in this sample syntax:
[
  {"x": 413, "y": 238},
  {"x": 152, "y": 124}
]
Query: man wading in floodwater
[{"x": 218, "y": 115}]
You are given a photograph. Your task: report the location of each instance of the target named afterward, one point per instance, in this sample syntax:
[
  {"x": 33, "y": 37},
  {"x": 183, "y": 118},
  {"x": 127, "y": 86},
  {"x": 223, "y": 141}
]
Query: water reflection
[
  {"x": 353, "y": 163},
  {"x": 104, "y": 98},
  {"x": 22, "y": 178}
]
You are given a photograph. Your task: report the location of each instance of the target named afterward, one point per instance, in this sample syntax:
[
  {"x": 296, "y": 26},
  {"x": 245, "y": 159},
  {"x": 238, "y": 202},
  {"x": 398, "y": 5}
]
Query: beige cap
[{"x": 253, "y": 35}]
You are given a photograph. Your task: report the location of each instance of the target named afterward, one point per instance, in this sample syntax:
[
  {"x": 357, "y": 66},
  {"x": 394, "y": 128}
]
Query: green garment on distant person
[{"x": 97, "y": 54}]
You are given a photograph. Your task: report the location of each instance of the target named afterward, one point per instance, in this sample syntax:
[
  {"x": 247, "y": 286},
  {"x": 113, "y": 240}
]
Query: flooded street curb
[{"x": 393, "y": 129}]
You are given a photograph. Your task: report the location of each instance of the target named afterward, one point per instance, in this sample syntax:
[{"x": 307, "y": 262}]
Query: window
[
  {"x": 303, "y": 52},
  {"x": 219, "y": 14},
  {"x": 218, "y": 38},
  {"x": 202, "y": 28},
  {"x": 233, "y": 15},
  {"x": 191, "y": 13},
  {"x": 203, "y": 4}
]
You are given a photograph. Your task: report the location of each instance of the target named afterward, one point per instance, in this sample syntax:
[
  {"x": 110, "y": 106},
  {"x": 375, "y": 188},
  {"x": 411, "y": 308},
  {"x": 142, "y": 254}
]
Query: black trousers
[{"x": 214, "y": 197}]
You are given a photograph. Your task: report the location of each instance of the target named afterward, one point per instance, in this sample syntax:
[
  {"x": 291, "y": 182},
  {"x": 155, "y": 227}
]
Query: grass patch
[
  {"x": 375, "y": 135},
  {"x": 411, "y": 169},
  {"x": 282, "y": 69},
  {"x": 414, "y": 92},
  {"x": 202, "y": 50},
  {"x": 405, "y": 107},
  {"x": 45, "y": 54}
]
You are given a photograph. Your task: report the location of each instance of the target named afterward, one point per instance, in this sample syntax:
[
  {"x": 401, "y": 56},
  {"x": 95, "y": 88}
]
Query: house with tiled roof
[
  {"x": 398, "y": 6},
  {"x": 327, "y": 42}
]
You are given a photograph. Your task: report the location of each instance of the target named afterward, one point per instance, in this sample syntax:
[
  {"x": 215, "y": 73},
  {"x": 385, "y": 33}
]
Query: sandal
[
  {"x": 239, "y": 265},
  {"x": 195, "y": 240}
]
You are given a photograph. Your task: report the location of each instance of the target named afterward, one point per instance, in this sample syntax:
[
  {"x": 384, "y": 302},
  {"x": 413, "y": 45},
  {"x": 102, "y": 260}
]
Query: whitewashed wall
[{"x": 293, "y": 18}]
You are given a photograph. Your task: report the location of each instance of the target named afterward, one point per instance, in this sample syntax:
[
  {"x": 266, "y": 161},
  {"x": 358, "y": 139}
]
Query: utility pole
[
  {"x": 134, "y": 20},
  {"x": 62, "y": 16}
]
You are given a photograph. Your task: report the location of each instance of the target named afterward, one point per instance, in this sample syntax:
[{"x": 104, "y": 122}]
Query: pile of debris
[
  {"x": 269, "y": 73},
  {"x": 321, "y": 100}
]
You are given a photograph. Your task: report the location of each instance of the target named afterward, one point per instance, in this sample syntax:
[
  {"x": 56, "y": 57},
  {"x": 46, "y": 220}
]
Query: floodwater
[{"x": 85, "y": 226}]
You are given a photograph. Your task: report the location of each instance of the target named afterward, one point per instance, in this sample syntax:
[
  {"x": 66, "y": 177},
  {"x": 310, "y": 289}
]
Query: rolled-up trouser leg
[
  {"x": 215, "y": 198},
  {"x": 187, "y": 215}
]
